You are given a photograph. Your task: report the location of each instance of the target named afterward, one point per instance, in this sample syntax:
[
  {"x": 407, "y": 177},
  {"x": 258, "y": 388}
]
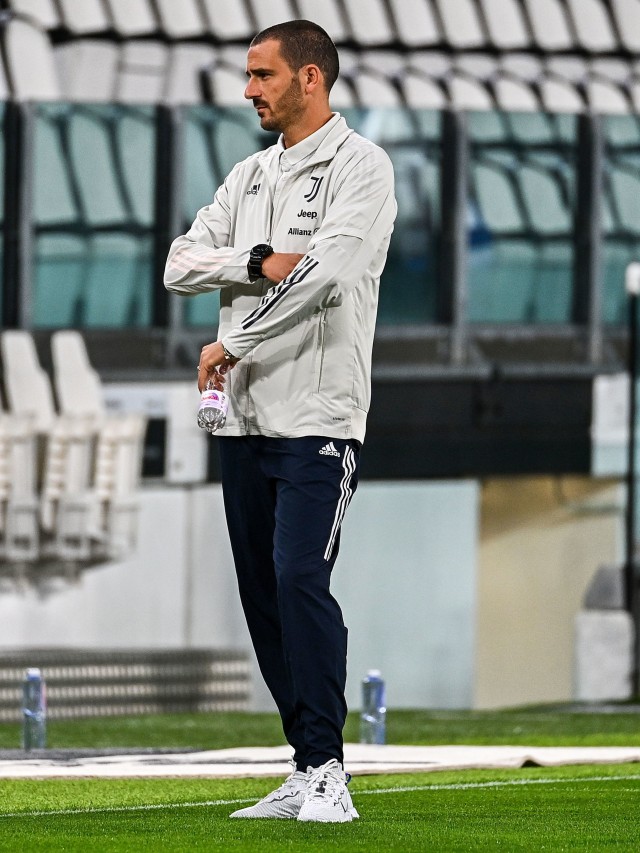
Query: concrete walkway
[{"x": 273, "y": 761}]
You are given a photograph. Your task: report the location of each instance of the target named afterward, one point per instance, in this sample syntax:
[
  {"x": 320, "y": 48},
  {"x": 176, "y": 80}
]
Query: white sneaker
[
  {"x": 327, "y": 799},
  {"x": 284, "y": 802}
]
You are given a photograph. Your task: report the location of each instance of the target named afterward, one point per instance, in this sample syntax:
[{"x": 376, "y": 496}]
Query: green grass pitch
[{"x": 585, "y": 808}]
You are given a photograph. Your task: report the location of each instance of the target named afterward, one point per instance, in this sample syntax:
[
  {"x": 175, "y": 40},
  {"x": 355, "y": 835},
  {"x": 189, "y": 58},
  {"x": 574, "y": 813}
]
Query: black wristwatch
[{"x": 256, "y": 257}]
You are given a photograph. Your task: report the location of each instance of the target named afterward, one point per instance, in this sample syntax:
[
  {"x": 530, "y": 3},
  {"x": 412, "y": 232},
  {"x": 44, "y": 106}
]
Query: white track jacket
[{"x": 304, "y": 343}]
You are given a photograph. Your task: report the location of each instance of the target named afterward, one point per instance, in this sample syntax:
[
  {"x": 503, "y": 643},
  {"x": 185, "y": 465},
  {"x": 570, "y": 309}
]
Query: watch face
[{"x": 256, "y": 256}]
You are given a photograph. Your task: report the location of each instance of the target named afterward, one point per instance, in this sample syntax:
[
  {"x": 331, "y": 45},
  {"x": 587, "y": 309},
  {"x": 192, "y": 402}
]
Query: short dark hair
[{"x": 304, "y": 43}]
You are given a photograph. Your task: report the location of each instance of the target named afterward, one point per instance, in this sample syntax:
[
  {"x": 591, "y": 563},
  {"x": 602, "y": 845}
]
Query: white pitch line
[{"x": 453, "y": 786}]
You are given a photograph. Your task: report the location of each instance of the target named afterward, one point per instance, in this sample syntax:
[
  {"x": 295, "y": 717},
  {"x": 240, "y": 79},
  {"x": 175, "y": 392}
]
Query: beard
[{"x": 286, "y": 109}]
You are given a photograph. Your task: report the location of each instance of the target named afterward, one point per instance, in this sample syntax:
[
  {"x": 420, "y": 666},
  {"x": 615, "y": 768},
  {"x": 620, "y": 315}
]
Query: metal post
[
  {"x": 452, "y": 308},
  {"x": 587, "y": 296},
  {"x": 632, "y": 285},
  {"x": 17, "y": 296}
]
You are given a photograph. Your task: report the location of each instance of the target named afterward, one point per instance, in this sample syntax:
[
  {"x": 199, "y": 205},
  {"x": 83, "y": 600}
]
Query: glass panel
[
  {"x": 520, "y": 217},
  {"x": 93, "y": 215},
  {"x": 621, "y": 219},
  {"x": 216, "y": 139},
  {"x": 408, "y": 290},
  {"x": 2, "y": 164}
]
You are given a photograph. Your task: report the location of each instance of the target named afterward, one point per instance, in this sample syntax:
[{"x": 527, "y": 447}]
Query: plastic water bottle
[
  {"x": 34, "y": 710},
  {"x": 374, "y": 712},
  {"x": 212, "y": 412}
]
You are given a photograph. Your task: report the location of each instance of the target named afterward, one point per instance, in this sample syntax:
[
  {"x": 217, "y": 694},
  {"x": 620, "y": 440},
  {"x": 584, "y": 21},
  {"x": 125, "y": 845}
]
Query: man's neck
[{"x": 296, "y": 133}]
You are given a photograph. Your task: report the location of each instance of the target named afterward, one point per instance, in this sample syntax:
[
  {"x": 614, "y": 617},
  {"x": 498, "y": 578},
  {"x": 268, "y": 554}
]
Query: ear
[{"x": 311, "y": 78}]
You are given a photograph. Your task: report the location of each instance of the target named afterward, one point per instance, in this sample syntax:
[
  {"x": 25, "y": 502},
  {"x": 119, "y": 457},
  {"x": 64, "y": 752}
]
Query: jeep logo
[{"x": 310, "y": 214}]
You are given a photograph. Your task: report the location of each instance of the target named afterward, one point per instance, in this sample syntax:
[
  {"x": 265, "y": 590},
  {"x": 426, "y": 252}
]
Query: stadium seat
[
  {"x": 30, "y": 62},
  {"x": 501, "y": 259},
  {"x": 415, "y": 23},
  {"x": 422, "y": 92},
  {"x": 26, "y": 385},
  {"x": 228, "y": 21},
  {"x": 115, "y": 187},
  {"x": 328, "y": 15},
  {"x": 142, "y": 72},
  {"x": 509, "y": 91},
  {"x": 342, "y": 94},
  {"x": 273, "y": 12},
  {"x": 65, "y": 509},
  {"x": 627, "y": 17},
  {"x": 550, "y": 25},
  {"x": 88, "y": 70},
  {"x": 187, "y": 62},
  {"x": 607, "y": 96},
  {"x": 414, "y": 246},
  {"x": 59, "y": 250},
  {"x": 132, "y": 18},
  {"x": 83, "y": 17},
  {"x": 369, "y": 23},
  {"x": 19, "y": 529},
  {"x": 461, "y": 24},
  {"x": 118, "y": 459},
  {"x": 4, "y": 90},
  {"x": 373, "y": 78},
  {"x": 462, "y": 90},
  {"x": 43, "y": 12},
  {"x": 226, "y": 79},
  {"x": 506, "y": 24},
  {"x": 180, "y": 20},
  {"x": 593, "y": 25}
]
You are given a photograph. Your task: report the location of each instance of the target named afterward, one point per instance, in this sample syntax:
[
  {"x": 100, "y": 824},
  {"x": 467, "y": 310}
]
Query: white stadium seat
[
  {"x": 506, "y": 25},
  {"x": 369, "y": 22},
  {"x": 462, "y": 26},
  {"x": 273, "y": 12},
  {"x": 118, "y": 459},
  {"x": 84, "y": 17},
  {"x": 228, "y": 20},
  {"x": 186, "y": 62},
  {"x": 415, "y": 23},
  {"x": 88, "y": 70},
  {"x": 592, "y": 25},
  {"x": 328, "y": 15},
  {"x": 131, "y": 18},
  {"x": 627, "y": 16},
  {"x": 142, "y": 72},
  {"x": 30, "y": 62},
  {"x": 180, "y": 20},
  {"x": 551, "y": 30},
  {"x": 44, "y": 12}
]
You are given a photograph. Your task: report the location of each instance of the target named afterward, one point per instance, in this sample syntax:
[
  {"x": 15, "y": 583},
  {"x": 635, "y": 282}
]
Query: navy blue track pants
[{"x": 285, "y": 499}]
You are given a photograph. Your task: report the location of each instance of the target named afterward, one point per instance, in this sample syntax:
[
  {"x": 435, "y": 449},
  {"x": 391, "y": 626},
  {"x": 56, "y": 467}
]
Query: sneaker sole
[{"x": 345, "y": 817}]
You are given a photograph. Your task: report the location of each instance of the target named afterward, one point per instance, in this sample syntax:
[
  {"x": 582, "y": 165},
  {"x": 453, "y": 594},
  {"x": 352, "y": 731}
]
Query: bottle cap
[
  {"x": 33, "y": 672},
  {"x": 375, "y": 673}
]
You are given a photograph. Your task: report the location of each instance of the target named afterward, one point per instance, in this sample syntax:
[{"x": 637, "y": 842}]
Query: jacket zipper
[
  {"x": 265, "y": 287},
  {"x": 323, "y": 323}
]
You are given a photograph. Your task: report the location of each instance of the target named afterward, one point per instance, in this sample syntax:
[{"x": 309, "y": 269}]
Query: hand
[
  {"x": 213, "y": 366},
  {"x": 277, "y": 266}
]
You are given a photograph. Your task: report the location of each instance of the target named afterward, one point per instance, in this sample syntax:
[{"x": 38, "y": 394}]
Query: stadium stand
[
  {"x": 19, "y": 536},
  {"x": 513, "y": 126},
  {"x": 80, "y": 507}
]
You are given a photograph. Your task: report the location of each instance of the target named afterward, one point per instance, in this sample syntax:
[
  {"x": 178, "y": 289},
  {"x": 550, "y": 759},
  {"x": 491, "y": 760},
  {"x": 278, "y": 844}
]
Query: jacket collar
[{"x": 318, "y": 147}]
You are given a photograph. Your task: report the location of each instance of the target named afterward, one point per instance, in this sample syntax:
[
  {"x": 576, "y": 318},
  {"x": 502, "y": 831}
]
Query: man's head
[
  {"x": 291, "y": 69},
  {"x": 304, "y": 43}
]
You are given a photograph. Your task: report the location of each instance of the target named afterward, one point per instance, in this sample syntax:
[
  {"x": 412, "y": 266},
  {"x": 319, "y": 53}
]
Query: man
[{"x": 295, "y": 239}]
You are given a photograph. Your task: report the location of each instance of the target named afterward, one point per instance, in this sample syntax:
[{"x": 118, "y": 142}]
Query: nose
[{"x": 252, "y": 89}]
